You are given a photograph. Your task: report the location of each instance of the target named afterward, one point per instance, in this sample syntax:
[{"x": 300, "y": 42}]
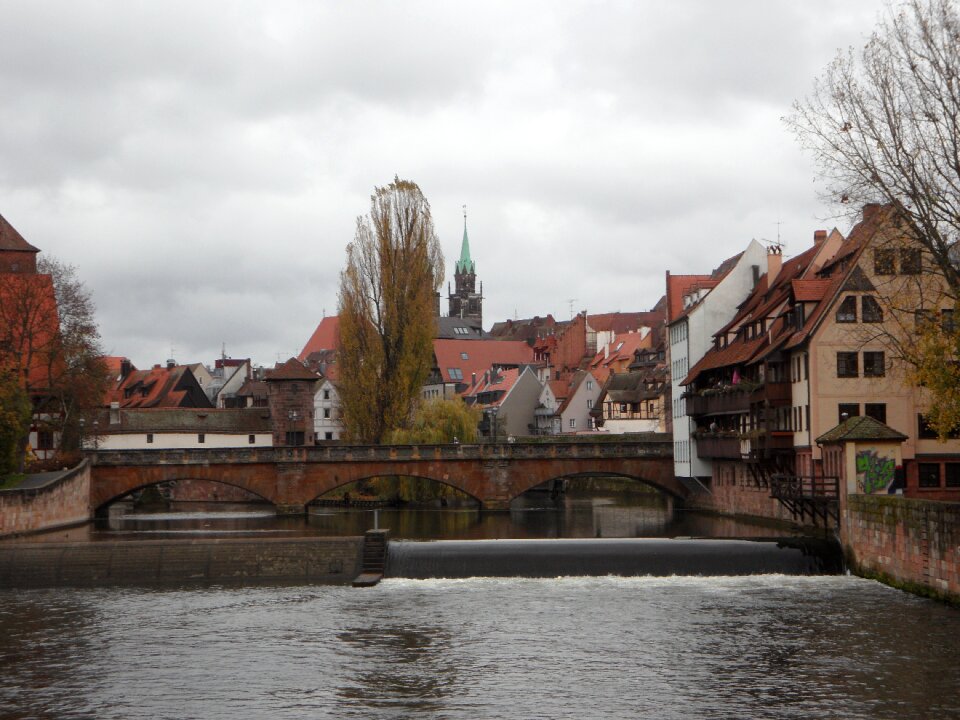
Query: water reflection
[{"x": 535, "y": 515}]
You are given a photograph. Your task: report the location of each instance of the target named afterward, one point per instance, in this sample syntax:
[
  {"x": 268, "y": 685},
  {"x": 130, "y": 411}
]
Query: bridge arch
[
  {"x": 346, "y": 479},
  {"x": 113, "y": 483}
]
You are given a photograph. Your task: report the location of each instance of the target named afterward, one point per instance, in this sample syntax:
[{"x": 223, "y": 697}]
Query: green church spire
[{"x": 465, "y": 264}]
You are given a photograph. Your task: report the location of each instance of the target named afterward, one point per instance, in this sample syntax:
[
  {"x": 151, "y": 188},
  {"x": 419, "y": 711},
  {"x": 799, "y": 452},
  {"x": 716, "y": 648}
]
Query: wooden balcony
[
  {"x": 734, "y": 400},
  {"x": 715, "y": 447}
]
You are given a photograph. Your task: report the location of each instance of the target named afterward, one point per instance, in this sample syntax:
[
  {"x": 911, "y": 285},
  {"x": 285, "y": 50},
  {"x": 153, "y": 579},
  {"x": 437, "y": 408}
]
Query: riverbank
[{"x": 220, "y": 561}]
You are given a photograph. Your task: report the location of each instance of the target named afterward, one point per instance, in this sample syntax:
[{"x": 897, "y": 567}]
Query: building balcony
[
  {"x": 721, "y": 403},
  {"x": 767, "y": 444},
  {"x": 734, "y": 399},
  {"x": 777, "y": 394},
  {"x": 718, "y": 447}
]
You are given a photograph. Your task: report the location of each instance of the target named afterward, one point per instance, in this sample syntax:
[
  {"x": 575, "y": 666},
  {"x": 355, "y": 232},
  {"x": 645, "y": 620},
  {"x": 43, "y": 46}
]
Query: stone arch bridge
[{"x": 290, "y": 477}]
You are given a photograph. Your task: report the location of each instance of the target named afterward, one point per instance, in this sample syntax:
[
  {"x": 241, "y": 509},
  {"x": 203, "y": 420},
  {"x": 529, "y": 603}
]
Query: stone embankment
[
  {"x": 910, "y": 544},
  {"x": 46, "y": 500},
  {"x": 234, "y": 561}
]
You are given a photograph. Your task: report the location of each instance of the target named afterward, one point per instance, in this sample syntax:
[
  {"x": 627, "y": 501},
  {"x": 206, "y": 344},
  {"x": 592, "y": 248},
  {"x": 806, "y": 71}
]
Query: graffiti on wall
[{"x": 875, "y": 472}]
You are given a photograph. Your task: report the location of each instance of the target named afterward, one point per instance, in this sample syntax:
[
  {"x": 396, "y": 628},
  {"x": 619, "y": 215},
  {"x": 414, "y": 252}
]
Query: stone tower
[{"x": 465, "y": 301}]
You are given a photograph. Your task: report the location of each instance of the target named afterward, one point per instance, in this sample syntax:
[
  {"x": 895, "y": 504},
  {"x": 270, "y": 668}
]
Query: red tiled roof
[
  {"x": 10, "y": 239},
  {"x": 809, "y": 290},
  {"x": 292, "y": 369},
  {"x": 325, "y": 337},
  {"x": 480, "y": 355},
  {"x": 157, "y": 387},
  {"x": 677, "y": 287},
  {"x": 623, "y": 322},
  {"x": 503, "y": 380},
  {"x": 621, "y": 349}
]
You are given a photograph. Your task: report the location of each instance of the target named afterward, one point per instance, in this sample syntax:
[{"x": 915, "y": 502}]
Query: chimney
[
  {"x": 125, "y": 367},
  {"x": 171, "y": 363},
  {"x": 819, "y": 236},
  {"x": 774, "y": 262},
  {"x": 115, "y": 413}
]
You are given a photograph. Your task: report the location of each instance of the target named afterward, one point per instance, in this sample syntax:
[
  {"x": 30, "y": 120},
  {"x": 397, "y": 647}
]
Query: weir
[{"x": 599, "y": 557}]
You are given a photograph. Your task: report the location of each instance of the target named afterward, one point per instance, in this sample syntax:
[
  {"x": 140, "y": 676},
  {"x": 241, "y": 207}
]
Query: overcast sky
[{"x": 203, "y": 164}]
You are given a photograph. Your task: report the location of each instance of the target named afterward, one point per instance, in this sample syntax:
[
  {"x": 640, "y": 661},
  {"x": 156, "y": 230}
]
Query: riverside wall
[
  {"x": 61, "y": 501},
  {"x": 910, "y": 544},
  {"x": 907, "y": 543},
  {"x": 172, "y": 563}
]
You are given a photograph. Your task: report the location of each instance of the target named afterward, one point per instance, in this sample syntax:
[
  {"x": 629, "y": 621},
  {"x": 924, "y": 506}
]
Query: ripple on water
[{"x": 668, "y": 647}]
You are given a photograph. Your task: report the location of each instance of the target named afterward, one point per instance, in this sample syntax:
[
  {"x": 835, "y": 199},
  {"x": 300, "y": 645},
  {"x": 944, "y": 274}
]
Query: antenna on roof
[{"x": 571, "y": 301}]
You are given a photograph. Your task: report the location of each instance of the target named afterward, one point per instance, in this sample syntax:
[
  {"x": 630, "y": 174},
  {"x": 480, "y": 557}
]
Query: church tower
[{"x": 465, "y": 301}]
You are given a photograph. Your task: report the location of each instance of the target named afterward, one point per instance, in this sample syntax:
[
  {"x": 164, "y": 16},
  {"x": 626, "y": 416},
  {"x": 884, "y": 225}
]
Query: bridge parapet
[{"x": 655, "y": 447}]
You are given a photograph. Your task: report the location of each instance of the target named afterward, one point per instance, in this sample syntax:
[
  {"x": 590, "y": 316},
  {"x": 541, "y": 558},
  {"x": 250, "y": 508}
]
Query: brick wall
[
  {"x": 912, "y": 544},
  {"x": 65, "y": 501},
  {"x": 242, "y": 561},
  {"x": 734, "y": 492},
  {"x": 209, "y": 491}
]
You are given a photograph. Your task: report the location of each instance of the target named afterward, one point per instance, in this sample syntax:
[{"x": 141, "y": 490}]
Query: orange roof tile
[
  {"x": 474, "y": 356},
  {"x": 292, "y": 369},
  {"x": 809, "y": 290},
  {"x": 325, "y": 337}
]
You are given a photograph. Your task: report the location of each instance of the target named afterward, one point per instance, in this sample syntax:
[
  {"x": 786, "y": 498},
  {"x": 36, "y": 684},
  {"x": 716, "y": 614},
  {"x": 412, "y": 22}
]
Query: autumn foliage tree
[
  {"x": 883, "y": 125},
  {"x": 386, "y": 308},
  {"x": 49, "y": 341}
]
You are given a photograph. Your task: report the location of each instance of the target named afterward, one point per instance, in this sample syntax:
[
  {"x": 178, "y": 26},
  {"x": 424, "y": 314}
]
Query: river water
[
  {"x": 759, "y": 646},
  {"x": 742, "y": 647}
]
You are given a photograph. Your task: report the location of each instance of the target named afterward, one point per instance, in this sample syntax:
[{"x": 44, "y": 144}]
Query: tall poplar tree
[{"x": 387, "y": 311}]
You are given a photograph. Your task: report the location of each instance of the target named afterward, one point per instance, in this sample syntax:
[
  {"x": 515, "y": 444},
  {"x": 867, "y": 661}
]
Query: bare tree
[
  {"x": 884, "y": 126},
  {"x": 386, "y": 307}
]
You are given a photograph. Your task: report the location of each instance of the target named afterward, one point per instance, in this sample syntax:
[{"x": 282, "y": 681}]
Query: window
[
  {"x": 201, "y": 438},
  {"x": 922, "y": 318},
  {"x": 294, "y": 437},
  {"x": 924, "y": 431},
  {"x": 573, "y": 423},
  {"x": 952, "y": 474},
  {"x": 946, "y": 321},
  {"x": 929, "y": 474},
  {"x": 328, "y": 436},
  {"x": 326, "y": 413},
  {"x": 847, "y": 312},
  {"x": 150, "y": 438},
  {"x": 884, "y": 262},
  {"x": 874, "y": 364},
  {"x": 871, "y": 310},
  {"x": 589, "y": 384},
  {"x": 910, "y": 261},
  {"x": 326, "y": 394},
  {"x": 463, "y": 356},
  {"x": 848, "y": 410},
  {"x": 847, "y": 364},
  {"x": 44, "y": 440},
  {"x": 251, "y": 439},
  {"x": 589, "y": 403},
  {"x": 623, "y": 407},
  {"x": 877, "y": 411},
  {"x": 455, "y": 373}
]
